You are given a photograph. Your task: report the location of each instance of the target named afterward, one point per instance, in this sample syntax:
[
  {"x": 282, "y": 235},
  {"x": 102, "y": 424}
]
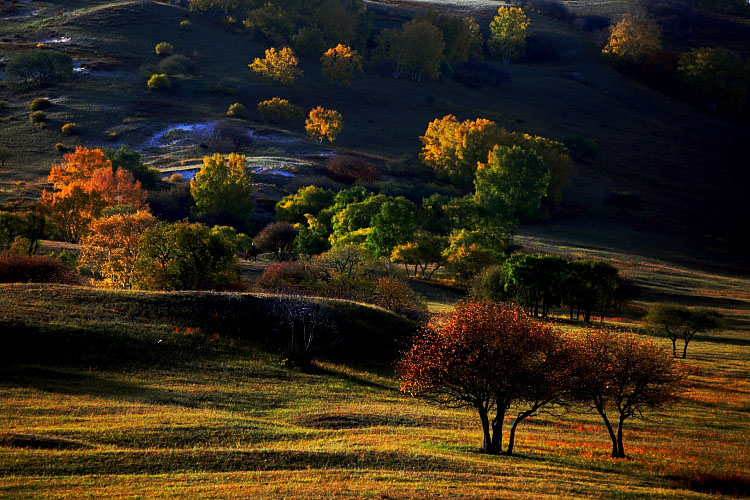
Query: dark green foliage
[
  {"x": 592, "y": 285},
  {"x": 308, "y": 200},
  {"x": 185, "y": 256},
  {"x": 130, "y": 160},
  {"x": 581, "y": 148},
  {"x": 396, "y": 223},
  {"x": 309, "y": 42},
  {"x": 39, "y": 103},
  {"x": 30, "y": 225},
  {"x": 535, "y": 281},
  {"x": 38, "y": 67},
  {"x": 490, "y": 284}
]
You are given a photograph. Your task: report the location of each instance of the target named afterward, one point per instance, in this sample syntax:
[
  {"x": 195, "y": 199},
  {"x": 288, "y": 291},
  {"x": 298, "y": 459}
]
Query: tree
[
  {"x": 126, "y": 158},
  {"x": 278, "y": 238},
  {"x": 535, "y": 281},
  {"x": 278, "y": 65},
  {"x": 508, "y": 32},
  {"x": 462, "y": 37},
  {"x": 277, "y": 110},
  {"x": 512, "y": 182},
  {"x": 184, "y": 256},
  {"x": 394, "y": 224},
  {"x": 323, "y": 123},
  {"x": 425, "y": 253},
  {"x": 5, "y": 155},
  {"x": 307, "y": 200},
  {"x": 340, "y": 63},
  {"x": 271, "y": 20},
  {"x": 590, "y": 285},
  {"x": 84, "y": 184},
  {"x": 159, "y": 81},
  {"x": 38, "y": 67},
  {"x": 312, "y": 238},
  {"x": 112, "y": 247},
  {"x": 622, "y": 374},
  {"x": 417, "y": 48},
  {"x": 682, "y": 322},
  {"x": 633, "y": 38},
  {"x": 717, "y": 77},
  {"x": 223, "y": 189},
  {"x": 468, "y": 253},
  {"x": 488, "y": 356},
  {"x": 164, "y": 49}
]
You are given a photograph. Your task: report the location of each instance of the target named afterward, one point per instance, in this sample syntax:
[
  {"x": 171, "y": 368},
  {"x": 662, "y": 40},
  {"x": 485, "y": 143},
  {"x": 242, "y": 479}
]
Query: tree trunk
[
  {"x": 587, "y": 315},
  {"x": 512, "y": 437},
  {"x": 497, "y": 429},
  {"x": 487, "y": 444},
  {"x": 674, "y": 346},
  {"x": 612, "y": 435},
  {"x": 684, "y": 349},
  {"x": 620, "y": 447}
]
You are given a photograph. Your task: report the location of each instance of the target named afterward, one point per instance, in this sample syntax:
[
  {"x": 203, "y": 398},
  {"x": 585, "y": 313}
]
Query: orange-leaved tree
[
  {"x": 278, "y": 65},
  {"x": 111, "y": 247},
  {"x": 323, "y": 123},
  {"x": 84, "y": 184},
  {"x": 622, "y": 375},
  {"x": 489, "y": 357}
]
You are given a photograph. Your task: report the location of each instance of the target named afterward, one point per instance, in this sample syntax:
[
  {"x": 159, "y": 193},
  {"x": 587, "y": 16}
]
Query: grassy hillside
[
  {"x": 224, "y": 419},
  {"x": 684, "y": 164}
]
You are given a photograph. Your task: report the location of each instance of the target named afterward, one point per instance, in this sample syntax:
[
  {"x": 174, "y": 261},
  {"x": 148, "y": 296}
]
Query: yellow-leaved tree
[
  {"x": 111, "y": 247},
  {"x": 278, "y": 65},
  {"x": 223, "y": 190},
  {"x": 340, "y": 63},
  {"x": 508, "y": 32},
  {"x": 633, "y": 38},
  {"x": 323, "y": 123}
]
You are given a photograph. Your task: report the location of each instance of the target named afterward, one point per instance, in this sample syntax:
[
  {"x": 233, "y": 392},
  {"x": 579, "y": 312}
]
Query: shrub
[
  {"x": 37, "y": 117},
  {"x": 581, "y": 148},
  {"x": 40, "y": 103},
  {"x": 14, "y": 269},
  {"x": 490, "y": 285},
  {"x": 176, "y": 178},
  {"x": 288, "y": 276},
  {"x": 61, "y": 148},
  {"x": 68, "y": 259},
  {"x": 279, "y": 110},
  {"x": 70, "y": 128},
  {"x": 237, "y": 110},
  {"x": 184, "y": 24},
  {"x": 350, "y": 169},
  {"x": 176, "y": 65},
  {"x": 164, "y": 49},
  {"x": 309, "y": 42},
  {"x": 159, "y": 81}
]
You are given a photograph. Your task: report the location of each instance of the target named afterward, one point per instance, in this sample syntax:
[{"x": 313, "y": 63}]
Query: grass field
[{"x": 224, "y": 419}]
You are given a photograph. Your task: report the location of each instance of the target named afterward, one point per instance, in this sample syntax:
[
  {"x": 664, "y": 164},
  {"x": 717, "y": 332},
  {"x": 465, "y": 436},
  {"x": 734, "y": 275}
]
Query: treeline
[{"x": 540, "y": 283}]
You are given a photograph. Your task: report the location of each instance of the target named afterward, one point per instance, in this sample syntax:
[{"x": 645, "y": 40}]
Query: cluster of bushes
[
  {"x": 540, "y": 283},
  {"x": 20, "y": 232},
  {"x": 37, "y": 68},
  {"x": 34, "y": 269}
]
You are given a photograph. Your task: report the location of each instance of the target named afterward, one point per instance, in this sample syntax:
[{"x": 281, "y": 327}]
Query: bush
[
  {"x": 237, "y": 110},
  {"x": 184, "y": 24},
  {"x": 477, "y": 74},
  {"x": 37, "y": 117},
  {"x": 14, "y": 269},
  {"x": 176, "y": 178},
  {"x": 350, "y": 169},
  {"x": 176, "y": 65},
  {"x": 581, "y": 148},
  {"x": 279, "y": 110},
  {"x": 288, "y": 277},
  {"x": 164, "y": 49},
  {"x": 70, "y": 128},
  {"x": 173, "y": 203},
  {"x": 159, "y": 81},
  {"x": 309, "y": 42},
  {"x": 61, "y": 148},
  {"x": 490, "y": 285},
  {"x": 40, "y": 103},
  {"x": 68, "y": 259}
]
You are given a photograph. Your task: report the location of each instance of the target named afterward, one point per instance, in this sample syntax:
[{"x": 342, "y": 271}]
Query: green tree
[
  {"x": 223, "y": 189},
  {"x": 417, "y": 49},
  {"x": 308, "y": 200},
  {"x": 395, "y": 224},
  {"x": 717, "y": 77},
  {"x": 271, "y": 20},
  {"x": 184, "y": 256},
  {"x": 592, "y": 285},
  {"x": 508, "y": 32},
  {"x": 425, "y": 253},
  {"x": 38, "y": 67},
  {"x": 312, "y": 238},
  {"x": 355, "y": 216},
  {"x": 130, "y": 160},
  {"x": 512, "y": 182},
  {"x": 535, "y": 281},
  {"x": 682, "y": 322}
]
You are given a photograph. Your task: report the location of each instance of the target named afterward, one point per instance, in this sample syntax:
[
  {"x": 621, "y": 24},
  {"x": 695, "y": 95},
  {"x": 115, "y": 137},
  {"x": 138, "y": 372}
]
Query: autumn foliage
[
  {"x": 84, "y": 184},
  {"x": 278, "y": 65},
  {"x": 493, "y": 358},
  {"x": 340, "y": 63},
  {"x": 324, "y": 123}
]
